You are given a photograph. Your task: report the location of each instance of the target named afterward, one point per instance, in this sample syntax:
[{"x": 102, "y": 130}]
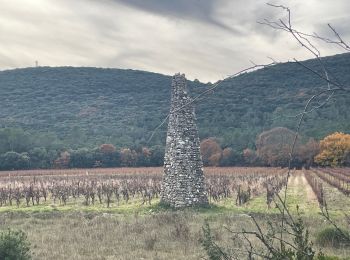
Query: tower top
[
  {"x": 179, "y": 89},
  {"x": 179, "y": 75}
]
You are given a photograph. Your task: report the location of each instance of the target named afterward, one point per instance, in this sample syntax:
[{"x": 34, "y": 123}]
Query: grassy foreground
[{"x": 135, "y": 231}]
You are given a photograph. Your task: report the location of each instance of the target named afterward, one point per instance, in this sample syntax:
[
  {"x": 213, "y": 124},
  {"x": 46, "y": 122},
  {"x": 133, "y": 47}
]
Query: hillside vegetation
[{"x": 85, "y": 107}]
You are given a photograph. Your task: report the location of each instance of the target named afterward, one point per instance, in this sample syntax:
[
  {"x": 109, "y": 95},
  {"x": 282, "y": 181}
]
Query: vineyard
[
  {"x": 111, "y": 187},
  {"x": 338, "y": 178},
  {"x": 84, "y": 213}
]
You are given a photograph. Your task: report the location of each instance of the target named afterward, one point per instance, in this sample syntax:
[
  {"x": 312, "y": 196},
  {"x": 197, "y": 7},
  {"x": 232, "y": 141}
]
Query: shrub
[
  {"x": 150, "y": 241},
  {"x": 213, "y": 251},
  {"x": 14, "y": 245},
  {"x": 324, "y": 257},
  {"x": 331, "y": 237}
]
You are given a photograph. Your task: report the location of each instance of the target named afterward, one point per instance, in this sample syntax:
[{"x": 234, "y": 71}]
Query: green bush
[
  {"x": 213, "y": 251},
  {"x": 14, "y": 245},
  {"x": 332, "y": 237},
  {"x": 324, "y": 257}
]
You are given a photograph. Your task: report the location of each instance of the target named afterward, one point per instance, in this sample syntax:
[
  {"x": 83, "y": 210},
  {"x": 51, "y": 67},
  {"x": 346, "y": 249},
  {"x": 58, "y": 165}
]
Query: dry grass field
[{"x": 135, "y": 230}]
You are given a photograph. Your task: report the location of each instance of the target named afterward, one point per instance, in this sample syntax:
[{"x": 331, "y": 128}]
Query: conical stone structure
[{"x": 183, "y": 180}]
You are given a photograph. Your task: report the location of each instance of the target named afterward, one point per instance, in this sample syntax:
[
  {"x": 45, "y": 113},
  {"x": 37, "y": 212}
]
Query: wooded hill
[{"x": 86, "y": 107}]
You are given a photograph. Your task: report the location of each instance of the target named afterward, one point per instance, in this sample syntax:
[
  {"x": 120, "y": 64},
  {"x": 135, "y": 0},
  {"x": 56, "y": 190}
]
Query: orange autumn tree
[
  {"x": 107, "y": 148},
  {"x": 211, "y": 152},
  {"x": 128, "y": 157},
  {"x": 334, "y": 150},
  {"x": 273, "y": 146}
]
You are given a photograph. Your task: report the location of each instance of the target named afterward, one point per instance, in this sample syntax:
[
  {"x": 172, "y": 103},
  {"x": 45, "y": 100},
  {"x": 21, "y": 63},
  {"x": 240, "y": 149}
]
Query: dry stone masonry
[{"x": 183, "y": 180}]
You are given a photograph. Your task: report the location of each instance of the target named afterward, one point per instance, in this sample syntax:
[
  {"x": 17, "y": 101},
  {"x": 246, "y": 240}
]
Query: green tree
[
  {"x": 157, "y": 156},
  {"x": 14, "y": 161},
  {"x": 39, "y": 158},
  {"x": 14, "y": 139},
  {"x": 82, "y": 158},
  {"x": 230, "y": 157}
]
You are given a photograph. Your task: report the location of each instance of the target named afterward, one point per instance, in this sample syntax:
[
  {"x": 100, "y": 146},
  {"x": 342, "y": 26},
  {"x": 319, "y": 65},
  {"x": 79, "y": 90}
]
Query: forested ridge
[{"x": 61, "y": 108}]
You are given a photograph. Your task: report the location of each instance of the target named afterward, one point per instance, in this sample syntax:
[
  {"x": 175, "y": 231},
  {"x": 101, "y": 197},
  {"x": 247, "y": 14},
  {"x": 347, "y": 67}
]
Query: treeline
[
  {"x": 104, "y": 156},
  {"x": 21, "y": 149},
  {"x": 108, "y": 156},
  {"x": 273, "y": 148}
]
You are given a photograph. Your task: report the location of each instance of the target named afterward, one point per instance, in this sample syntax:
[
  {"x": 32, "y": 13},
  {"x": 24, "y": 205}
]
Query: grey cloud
[
  {"x": 197, "y": 37},
  {"x": 200, "y": 10},
  {"x": 341, "y": 25}
]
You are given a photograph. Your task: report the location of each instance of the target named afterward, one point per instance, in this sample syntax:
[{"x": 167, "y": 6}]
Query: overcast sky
[{"x": 205, "y": 39}]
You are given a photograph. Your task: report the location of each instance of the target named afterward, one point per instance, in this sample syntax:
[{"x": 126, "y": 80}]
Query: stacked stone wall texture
[{"x": 183, "y": 181}]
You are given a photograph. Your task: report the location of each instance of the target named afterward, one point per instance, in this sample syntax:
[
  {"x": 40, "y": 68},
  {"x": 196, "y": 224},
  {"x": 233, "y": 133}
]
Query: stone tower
[{"x": 183, "y": 180}]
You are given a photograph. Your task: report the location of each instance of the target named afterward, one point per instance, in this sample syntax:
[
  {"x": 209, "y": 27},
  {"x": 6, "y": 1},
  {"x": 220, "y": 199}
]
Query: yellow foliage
[{"x": 334, "y": 150}]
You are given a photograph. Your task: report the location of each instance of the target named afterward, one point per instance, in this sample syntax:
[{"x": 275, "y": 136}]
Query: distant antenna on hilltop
[{"x": 36, "y": 64}]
